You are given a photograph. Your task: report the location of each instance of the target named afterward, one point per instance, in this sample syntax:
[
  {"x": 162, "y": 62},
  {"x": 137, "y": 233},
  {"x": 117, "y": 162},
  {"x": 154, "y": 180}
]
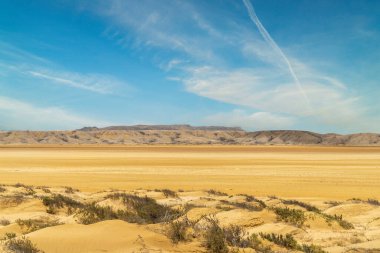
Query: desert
[
  {"x": 80, "y": 198},
  {"x": 188, "y": 126}
]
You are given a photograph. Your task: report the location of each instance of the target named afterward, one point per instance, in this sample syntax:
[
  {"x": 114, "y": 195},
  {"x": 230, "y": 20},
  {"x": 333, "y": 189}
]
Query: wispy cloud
[
  {"x": 274, "y": 46},
  {"x": 20, "y": 62},
  {"x": 253, "y": 121},
  {"x": 92, "y": 82},
  {"x": 19, "y": 115},
  {"x": 15, "y": 54},
  {"x": 283, "y": 87}
]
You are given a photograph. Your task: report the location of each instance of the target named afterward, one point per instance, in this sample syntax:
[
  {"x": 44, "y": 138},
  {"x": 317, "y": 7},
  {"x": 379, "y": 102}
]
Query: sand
[
  {"x": 287, "y": 171},
  {"x": 326, "y": 177}
]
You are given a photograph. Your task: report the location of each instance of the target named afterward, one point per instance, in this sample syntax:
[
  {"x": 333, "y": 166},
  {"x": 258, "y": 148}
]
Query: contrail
[{"x": 274, "y": 45}]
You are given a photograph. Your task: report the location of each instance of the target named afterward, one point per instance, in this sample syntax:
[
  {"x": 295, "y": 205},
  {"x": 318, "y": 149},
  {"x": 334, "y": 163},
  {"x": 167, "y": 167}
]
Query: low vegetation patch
[
  {"x": 312, "y": 249},
  {"x": 2, "y": 189},
  {"x": 293, "y": 216},
  {"x": 374, "y": 202},
  {"x": 290, "y": 243},
  {"x": 216, "y": 193},
  {"x": 147, "y": 209},
  {"x": 93, "y": 213},
  {"x": 250, "y": 198},
  {"x": 13, "y": 200},
  {"x": 286, "y": 241},
  {"x": 4, "y": 222},
  {"x": 333, "y": 203},
  {"x": 307, "y": 206},
  {"x": 58, "y": 201},
  {"x": 21, "y": 245},
  {"x": 214, "y": 239},
  {"x": 70, "y": 190},
  {"x": 338, "y": 218},
  {"x": 230, "y": 238},
  {"x": 243, "y": 205},
  {"x": 168, "y": 193},
  {"x": 31, "y": 225},
  {"x": 177, "y": 230}
]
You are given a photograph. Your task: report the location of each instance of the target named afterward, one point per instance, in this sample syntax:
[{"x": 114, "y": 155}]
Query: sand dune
[{"x": 114, "y": 235}]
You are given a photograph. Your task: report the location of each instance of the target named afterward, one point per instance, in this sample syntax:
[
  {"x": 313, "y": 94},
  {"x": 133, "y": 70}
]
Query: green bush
[{"x": 292, "y": 216}]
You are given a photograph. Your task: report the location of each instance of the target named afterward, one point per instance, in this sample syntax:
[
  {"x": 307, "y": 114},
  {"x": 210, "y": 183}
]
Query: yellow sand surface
[
  {"x": 286, "y": 171},
  {"x": 108, "y": 236}
]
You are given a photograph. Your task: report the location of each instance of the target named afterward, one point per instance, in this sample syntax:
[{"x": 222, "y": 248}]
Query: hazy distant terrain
[{"x": 185, "y": 134}]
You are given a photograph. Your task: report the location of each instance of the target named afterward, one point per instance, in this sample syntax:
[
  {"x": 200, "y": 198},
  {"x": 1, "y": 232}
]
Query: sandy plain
[
  {"x": 336, "y": 181},
  {"x": 287, "y": 171}
]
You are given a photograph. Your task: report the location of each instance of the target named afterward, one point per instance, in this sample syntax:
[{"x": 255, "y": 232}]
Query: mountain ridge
[{"x": 186, "y": 135}]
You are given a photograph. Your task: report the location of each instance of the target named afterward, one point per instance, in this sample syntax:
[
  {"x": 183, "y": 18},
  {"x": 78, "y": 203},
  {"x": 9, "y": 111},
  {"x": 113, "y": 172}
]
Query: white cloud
[
  {"x": 102, "y": 84},
  {"x": 329, "y": 105},
  {"x": 254, "y": 121},
  {"x": 19, "y": 115},
  {"x": 273, "y": 81}
]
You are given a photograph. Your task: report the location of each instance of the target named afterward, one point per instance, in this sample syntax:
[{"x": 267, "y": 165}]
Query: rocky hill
[{"x": 185, "y": 134}]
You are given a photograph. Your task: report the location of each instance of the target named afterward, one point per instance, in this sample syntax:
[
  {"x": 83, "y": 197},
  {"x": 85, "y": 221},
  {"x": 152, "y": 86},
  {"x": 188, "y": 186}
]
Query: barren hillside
[{"x": 185, "y": 134}]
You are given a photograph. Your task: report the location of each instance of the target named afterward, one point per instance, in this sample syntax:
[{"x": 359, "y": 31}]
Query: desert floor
[
  {"x": 312, "y": 172},
  {"x": 85, "y": 199}
]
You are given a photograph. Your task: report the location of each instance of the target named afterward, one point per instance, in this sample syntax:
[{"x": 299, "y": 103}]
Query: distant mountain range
[{"x": 185, "y": 134}]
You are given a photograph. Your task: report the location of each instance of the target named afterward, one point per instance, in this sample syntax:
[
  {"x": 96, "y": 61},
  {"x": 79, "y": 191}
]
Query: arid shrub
[
  {"x": 237, "y": 236},
  {"x": 292, "y": 216},
  {"x": 312, "y": 249},
  {"x": 70, "y": 190},
  {"x": 333, "y": 203},
  {"x": 286, "y": 241},
  {"x": 93, "y": 213},
  {"x": 21, "y": 245},
  {"x": 9, "y": 236},
  {"x": 338, "y": 218},
  {"x": 177, "y": 230},
  {"x": 243, "y": 205},
  {"x": 2, "y": 189},
  {"x": 31, "y": 225},
  {"x": 250, "y": 198},
  {"x": 307, "y": 206},
  {"x": 216, "y": 193},
  {"x": 4, "y": 222},
  {"x": 13, "y": 200},
  {"x": 169, "y": 193},
  {"x": 214, "y": 237},
  {"x": 58, "y": 201},
  {"x": 374, "y": 202},
  {"x": 147, "y": 209}
]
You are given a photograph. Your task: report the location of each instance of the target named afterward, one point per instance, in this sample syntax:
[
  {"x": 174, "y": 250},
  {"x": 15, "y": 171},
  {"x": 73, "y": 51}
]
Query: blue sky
[{"x": 259, "y": 64}]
